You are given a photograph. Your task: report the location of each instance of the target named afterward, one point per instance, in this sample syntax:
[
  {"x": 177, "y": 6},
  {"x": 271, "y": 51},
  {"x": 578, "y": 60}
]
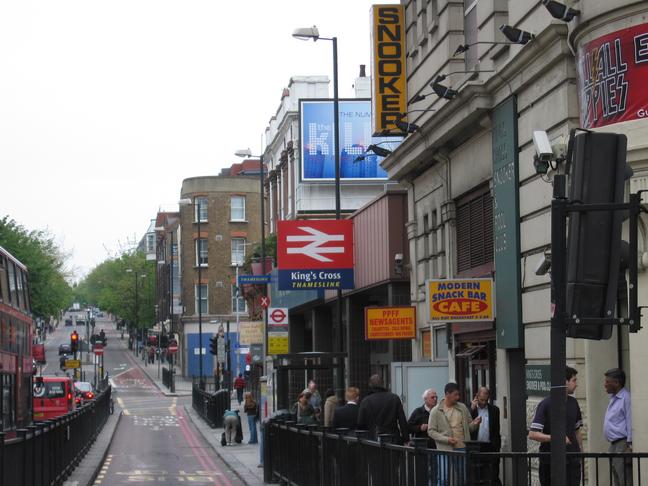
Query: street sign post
[
  {"x": 253, "y": 279},
  {"x": 265, "y": 301},
  {"x": 277, "y": 316},
  {"x": 98, "y": 349},
  {"x": 71, "y": 364},
  {"x": 316, "y": 254},
  {"x": 172, "y": 348}
]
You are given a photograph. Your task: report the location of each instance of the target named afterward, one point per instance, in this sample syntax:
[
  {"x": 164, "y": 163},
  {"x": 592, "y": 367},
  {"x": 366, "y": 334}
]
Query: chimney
[
  {"x": 362, "y": 84},
  {"x": 362, "y": 71}
]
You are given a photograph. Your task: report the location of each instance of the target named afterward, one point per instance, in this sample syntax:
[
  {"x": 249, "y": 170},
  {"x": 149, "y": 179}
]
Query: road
[{"x": 155, "y": 441}]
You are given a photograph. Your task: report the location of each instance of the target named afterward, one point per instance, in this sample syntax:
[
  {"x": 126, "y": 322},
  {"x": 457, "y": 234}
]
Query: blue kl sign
[{"x": 253, "y": 279}]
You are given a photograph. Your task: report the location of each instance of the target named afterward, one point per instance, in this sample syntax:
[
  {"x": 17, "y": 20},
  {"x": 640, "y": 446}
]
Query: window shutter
[{"x": 475, "y": 232}]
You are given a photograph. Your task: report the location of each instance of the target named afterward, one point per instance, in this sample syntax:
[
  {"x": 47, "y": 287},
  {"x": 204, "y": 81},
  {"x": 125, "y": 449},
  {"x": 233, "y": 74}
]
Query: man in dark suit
[
  {"x": 418, "y": 421},
  {"x": 488, "y": 432},
  {"x": 347, "y": 416},
  {"x": 381, "y": 412}
]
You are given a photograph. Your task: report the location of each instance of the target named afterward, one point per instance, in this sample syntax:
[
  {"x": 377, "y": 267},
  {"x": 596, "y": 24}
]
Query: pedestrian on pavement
[
  {"x": 347, "y": 415},
  {"x": 540, "y": 431},
  {"x": 303, "y": 410},
  {"x": 381, "y": 412},
  {"x": 151, "y": 355},
  {"x": 251, "y": 409},
  {"x": 450, "y": 425},
  {"x": 315, "y": 397},
  {"x": 617, "y": 425},
  {"x": 330, "y": 404},
  {"x": 417, "y": 423},
  {"x": 239, "y": 386},
  {"x": 488, "y": 433},
  {"x": 230, "y": 422}
]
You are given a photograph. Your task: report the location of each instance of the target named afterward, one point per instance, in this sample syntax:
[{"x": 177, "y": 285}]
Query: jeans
[
  {"x": 451, "y": 468},
  {"x": 573, "y": 473},
  {"x": 239, "y": 395},
  {"x": 253, "y": 430}
]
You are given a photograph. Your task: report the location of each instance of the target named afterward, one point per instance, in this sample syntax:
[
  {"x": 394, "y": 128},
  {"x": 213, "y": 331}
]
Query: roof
[{"x": 13, "y": 258}]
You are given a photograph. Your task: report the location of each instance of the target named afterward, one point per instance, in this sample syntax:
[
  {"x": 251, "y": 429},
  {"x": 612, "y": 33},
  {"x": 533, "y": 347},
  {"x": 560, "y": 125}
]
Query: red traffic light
[{"x": 248, "y": 358}]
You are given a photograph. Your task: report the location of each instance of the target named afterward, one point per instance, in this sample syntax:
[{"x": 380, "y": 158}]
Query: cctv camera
[
  {"x": 543, "y": 265},
  {"x": 542, "y": 146},
  {"x": 398, "y": 258}
]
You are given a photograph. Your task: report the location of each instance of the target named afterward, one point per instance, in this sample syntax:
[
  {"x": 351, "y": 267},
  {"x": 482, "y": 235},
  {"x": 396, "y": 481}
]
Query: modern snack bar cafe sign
[{"x": 467, "y": 299}]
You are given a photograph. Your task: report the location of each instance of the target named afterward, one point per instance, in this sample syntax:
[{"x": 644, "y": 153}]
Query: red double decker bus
[{"x": 15, "y": 344}]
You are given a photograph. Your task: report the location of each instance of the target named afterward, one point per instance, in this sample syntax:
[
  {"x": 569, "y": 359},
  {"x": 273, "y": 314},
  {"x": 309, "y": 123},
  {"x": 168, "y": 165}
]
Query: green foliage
[
  {"x": 112, "y": 288},
  {"x": 48, "y": 287},
  {"x": 255, "y": 254}
]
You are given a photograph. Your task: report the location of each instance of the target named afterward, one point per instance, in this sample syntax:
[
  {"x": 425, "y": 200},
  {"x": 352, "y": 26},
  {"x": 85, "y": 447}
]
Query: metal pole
[
  {"x": 137, "y": 329},
  {"x": 171, "y": 308},
  {"x": 339, "y": 372},
  {"x": 238, "y": 322},
  {"x": 228, "y": 359},
  {"x": 263, "y": 263},
  {"x": 558, "y": 336},
  {"x": 200, "y": 352}
]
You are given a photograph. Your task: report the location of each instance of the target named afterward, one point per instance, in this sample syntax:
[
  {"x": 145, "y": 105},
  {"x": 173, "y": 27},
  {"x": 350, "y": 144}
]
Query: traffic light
[
  {"x": 74, "y": 342},
  {"x": 248, "y": 358},
  {"x": 213, "y": 345},
  {"x": 594, "y": 246}
]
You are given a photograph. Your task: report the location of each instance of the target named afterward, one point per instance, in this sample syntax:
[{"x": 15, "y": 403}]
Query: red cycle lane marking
[{"x": 205, "y": 461}]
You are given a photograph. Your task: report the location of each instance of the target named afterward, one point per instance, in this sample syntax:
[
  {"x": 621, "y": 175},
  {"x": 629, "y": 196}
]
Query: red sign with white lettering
[
  {"x": 612, "y": 77},
  {"x": 315, "y": 244},
  {"x": 98, "y": 349}
]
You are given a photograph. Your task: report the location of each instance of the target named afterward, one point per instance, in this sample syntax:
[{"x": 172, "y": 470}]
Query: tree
[{"x": 49, "y": 289}]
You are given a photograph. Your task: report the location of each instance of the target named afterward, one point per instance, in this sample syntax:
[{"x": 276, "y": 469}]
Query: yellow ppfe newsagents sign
[
  {"x": 390, "y": 323},
  {"x": 466, "y": 299},
  {"x": 389, "y": 87}
]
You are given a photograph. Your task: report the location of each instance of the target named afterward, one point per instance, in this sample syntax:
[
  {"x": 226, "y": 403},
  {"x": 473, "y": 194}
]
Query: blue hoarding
[{"x": 318, "y": 161}]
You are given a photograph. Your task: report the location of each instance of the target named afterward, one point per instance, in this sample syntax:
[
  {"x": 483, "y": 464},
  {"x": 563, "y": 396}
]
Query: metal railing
[
  {"x": 210, "y": 406},
  {"x": 310, "y": 455},
  {"x": 47, "y": 452}
]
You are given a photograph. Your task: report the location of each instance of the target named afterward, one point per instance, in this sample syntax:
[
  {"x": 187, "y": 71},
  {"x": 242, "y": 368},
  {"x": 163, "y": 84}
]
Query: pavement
[{"x": 154, "y": 441}]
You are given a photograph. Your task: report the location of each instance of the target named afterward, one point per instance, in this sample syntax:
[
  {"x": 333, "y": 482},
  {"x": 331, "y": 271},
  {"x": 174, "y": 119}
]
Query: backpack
[{"x": 223, "y": 439}]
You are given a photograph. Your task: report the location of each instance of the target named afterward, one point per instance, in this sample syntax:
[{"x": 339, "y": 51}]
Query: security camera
[
  {"x": 543, "y": 265},
  {"x": 398, "y": 258},
  {"x": 542, "y": 146}
]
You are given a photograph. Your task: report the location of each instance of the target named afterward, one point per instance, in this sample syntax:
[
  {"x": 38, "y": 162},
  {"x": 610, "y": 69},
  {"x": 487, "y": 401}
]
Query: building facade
[
  {"x": 475, "y": 199},
  {"x": 217, "y": 229}
]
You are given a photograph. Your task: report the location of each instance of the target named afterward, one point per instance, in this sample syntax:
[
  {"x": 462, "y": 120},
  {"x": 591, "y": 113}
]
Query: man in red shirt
[{"x": 239, "y": 386}]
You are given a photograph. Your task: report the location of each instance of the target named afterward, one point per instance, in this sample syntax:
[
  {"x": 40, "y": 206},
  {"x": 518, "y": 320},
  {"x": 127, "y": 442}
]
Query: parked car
[
  {"x": 53, "y": 397},
  {"x": 65, "y": 349},
  {"x": 84, "y": 392}
]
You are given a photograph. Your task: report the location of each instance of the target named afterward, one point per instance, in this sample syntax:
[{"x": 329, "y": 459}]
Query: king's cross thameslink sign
[{"x": 316, "y": 254}]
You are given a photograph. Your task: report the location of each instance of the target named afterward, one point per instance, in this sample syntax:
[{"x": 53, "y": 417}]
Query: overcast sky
[{"x": 106, "y": 106}]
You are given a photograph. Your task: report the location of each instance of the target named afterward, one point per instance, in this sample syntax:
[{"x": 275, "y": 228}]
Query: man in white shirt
[{"x": 488, "y": 432}]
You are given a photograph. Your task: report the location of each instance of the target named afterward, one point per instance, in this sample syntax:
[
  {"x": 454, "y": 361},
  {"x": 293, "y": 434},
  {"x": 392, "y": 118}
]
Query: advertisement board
[
  {"x": 389, "y": 84},
  {"x": 251, "y": 332},
  {"x": 316, "y": 125},
  {"x": 278, "y": 343},
  {"x": 466, "y": 299},
  {"x": 315, "y": 254},
  {"x": 390, "y": 323},
  {"x": 612, "y": 74}
]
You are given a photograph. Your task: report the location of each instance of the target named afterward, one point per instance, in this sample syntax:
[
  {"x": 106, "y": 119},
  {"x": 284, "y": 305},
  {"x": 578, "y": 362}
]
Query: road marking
[{"x": 123, "y": 372}]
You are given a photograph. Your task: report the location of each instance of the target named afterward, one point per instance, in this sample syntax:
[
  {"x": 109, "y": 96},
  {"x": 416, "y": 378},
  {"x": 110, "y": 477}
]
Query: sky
[{"x": 106, "y": 106}]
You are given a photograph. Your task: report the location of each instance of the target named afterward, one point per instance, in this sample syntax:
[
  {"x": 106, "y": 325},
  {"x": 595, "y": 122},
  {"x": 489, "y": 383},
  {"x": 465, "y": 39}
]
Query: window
[
  {"x": 201, "y": 293},
  {"x": 471, "y": 56},
  {"x": 238, "y": 251},
  {"x": 237, "y": 208},
  {"x": 475, "y": 231},
  {"x": 202, "y": 258},
  {"x": 200, "y": 209},
  {"x": 150, "y": 243},
  {"x": 440, "y": 343},
  {"x": 426, "y": 344},
  {"x": 241, "y": 308}
]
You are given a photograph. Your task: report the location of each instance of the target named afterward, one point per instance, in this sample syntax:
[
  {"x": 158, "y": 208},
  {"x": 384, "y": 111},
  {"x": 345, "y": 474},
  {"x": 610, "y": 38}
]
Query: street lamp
[
  {"x": 197, "y": 205},
  {"x": 137, "y": 277},
  {"x": 307, "y": 34},
  {"x": 247, "y": 154}
]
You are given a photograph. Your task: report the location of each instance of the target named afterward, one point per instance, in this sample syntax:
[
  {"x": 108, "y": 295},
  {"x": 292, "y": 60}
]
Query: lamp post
[
  {"x": 137, "y": 277},
  {"x": 198, "y": 207},
  {"x": 307, "y": 34},
  {"x": 246, "y": 153}
]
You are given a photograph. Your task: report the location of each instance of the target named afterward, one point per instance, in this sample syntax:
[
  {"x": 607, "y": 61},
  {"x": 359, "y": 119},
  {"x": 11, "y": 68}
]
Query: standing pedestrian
[
  {"x": 230, "y": 422},
  {"x": 417, "y": 423},
  {"x": 450, "y": 426},
  {"x": 381, "y": 412},
  {"x": 488, "y": 434},
  {"x": 617, "y": 425},
  {"x": 330, "y": 404},
  {"x": 540, "y": 431},
  {"x": 315, "y": 397},
  {"x": 347, "y": 415},
  {"x": 251, "y": 409},
  {"x": 239, "y": 386},
  {"x": 303, "y": 410}
]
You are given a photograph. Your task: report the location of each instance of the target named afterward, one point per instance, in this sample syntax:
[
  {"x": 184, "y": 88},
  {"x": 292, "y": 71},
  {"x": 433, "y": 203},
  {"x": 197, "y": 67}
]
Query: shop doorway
[{"x": 475, "y": 364}]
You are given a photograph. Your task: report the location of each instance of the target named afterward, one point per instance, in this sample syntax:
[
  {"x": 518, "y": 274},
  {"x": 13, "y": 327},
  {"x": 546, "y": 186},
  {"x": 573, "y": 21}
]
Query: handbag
[{"x": 223, "y": 439}]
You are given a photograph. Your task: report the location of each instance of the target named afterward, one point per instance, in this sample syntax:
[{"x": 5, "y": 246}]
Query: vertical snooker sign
[{"x": 506, "y": 226}]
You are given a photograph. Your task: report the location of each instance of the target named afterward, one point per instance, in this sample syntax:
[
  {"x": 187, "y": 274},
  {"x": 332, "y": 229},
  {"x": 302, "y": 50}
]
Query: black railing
[
  {"x": 309, "y": 455},
  {"x": 210, "y": 406},
  {"x": 45, "y": 453}
]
